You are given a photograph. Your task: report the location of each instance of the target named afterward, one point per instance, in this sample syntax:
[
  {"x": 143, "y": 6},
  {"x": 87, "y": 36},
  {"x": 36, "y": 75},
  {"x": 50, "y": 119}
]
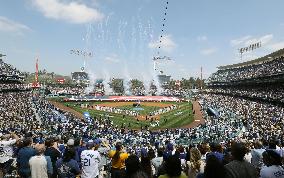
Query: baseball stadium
[{"x": 141, "y": 89}]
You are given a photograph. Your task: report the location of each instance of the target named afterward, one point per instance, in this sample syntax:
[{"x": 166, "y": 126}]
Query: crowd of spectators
[
  {"x": 176, "y": 92},
  {"x": 242, "y": 139},
  {"x": 14, "y": 86},
  {"x": 261, "y": 120},
  {"x": 266, "y": 93},
  {"x": 266, "y": 68},
  {"x": 36, "y": 121},
  {"x": 66, "y": 90},
  {"x": 8, "y": 69}
]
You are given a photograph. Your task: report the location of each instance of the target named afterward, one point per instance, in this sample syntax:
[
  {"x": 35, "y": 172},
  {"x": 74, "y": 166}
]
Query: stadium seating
[
  {"x": 266, "y": 67},
  {"x": 249, "y": 112}
]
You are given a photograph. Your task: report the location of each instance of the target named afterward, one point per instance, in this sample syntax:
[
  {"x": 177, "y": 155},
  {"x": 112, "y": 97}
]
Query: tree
[
  {"x": 199, "y": 83},
  {"x": 135, "y": 83},
  {"x": 172, "y": 84},
  {"x": 117, "y": 85}
]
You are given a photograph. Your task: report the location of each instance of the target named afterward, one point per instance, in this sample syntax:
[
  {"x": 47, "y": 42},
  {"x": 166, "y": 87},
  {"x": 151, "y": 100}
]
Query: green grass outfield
[
  {"x": 146, "y": 111},
  {"x": 174, "y": 120}
]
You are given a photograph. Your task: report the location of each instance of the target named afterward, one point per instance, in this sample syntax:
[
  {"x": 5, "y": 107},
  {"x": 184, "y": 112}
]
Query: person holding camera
[{"x": 6, "y": 152}]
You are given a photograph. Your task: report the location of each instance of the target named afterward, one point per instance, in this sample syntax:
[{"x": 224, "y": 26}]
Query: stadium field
[{"x": 175, "y": 118}]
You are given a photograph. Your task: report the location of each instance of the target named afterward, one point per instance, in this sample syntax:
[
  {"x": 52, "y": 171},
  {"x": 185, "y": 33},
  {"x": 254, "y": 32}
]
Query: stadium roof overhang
[
  {"x": 279, "y": 78},
  {"x": 268, "y": 57}
]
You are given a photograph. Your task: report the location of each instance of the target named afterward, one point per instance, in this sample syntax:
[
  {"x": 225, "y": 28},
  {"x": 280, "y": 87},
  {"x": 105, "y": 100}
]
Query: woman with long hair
[
  {"x": 195, "y": 165},
  {"x": 118, "y": 157}
]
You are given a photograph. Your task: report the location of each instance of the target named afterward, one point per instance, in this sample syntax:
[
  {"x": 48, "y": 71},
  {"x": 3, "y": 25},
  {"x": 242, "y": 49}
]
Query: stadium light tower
[
  {"x": 85, "y": 54},
  {"x": 251, "y": 47}
]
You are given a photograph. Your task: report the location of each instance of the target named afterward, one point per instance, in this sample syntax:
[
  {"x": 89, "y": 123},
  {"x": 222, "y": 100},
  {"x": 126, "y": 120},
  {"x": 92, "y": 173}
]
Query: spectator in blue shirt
[
  {"x": 214, "y": 147},
  {"x": 67, "y": 167},
  {"x": 53, "y": 152},
  {"x": 23, "y": 157}
]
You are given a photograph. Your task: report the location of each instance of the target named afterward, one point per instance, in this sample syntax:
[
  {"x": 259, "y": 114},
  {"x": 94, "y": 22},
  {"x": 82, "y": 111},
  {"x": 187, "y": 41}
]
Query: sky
[{"x": 124, "y": 35}]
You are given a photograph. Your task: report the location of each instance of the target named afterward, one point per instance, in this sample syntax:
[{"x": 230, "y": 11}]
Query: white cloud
[
  {"x": 8, "y": 25},
  {"x": 276, "y": 46},
  {"x": 112, "y": 58},
  {"x": 264, "y": 40},
  {"x": 239, "y": 41},
  {"x": 202, "y": 38},
  {"x": 167, "y": 44},
  {"x": 208, "y": 51},
  {"x": 267, "y": 41},
  {"x": 72, "y": 12},
  {"x": 247, "y": 40}
]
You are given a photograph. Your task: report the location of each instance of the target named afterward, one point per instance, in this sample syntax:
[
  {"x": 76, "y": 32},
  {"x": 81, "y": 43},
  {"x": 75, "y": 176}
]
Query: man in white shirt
[
  {"x": 90, "y": 161},
  {"x": 273, "y": 168},
  {"x": 157, "y": 162},
  {"x": 6, "y": 151},
  {"x": 256, "y": 153},
  {"x": 40, "y": 165}
]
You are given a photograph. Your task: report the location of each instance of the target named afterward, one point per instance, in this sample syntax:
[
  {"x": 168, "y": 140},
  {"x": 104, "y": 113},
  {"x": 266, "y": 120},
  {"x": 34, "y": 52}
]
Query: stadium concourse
[{"x": 242, "y": 136}]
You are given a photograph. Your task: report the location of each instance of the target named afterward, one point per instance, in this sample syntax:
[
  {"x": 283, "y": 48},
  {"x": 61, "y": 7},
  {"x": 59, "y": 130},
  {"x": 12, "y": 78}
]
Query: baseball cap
[
  {"x": 97, "y": 141},
  {"x": 90, "y": 144},
  {"x": 170, "y": 146},
  {"x": 85, "y": 140}
]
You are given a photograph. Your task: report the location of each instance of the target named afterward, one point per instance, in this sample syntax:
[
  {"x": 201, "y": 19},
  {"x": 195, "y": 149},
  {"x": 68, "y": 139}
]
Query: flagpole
[
  {"x": 36, "y": 76},
  {"x": 201, "y": 77}
]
